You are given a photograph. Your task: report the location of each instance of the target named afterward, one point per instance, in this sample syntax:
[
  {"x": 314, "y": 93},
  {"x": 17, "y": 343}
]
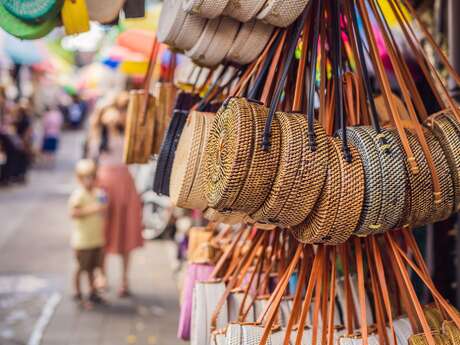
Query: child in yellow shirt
[{"x": 87, "y": 208}]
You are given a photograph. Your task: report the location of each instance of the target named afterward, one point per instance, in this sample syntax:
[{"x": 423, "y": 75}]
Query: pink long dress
[{"x": 124, "y": 216}]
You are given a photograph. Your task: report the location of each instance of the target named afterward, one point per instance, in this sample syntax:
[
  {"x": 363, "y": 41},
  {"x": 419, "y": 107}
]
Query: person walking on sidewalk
[
  {"x": 124, "y": 213},
  {"x": 87, "y": 207}
]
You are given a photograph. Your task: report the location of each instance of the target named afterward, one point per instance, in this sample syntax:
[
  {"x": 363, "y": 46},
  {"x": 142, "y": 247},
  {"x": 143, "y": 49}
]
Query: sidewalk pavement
[{"x": 36, "y": 264}]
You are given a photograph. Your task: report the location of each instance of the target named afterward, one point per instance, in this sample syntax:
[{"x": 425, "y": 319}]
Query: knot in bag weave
[
  {"x": 282, "y": 13},
  {"x": 447, "y": 130},
  {"x": 228, "y": 153},
  {"x": 243, "y": 10},
  {"x": 187, "y": 171},
  {"x": 205, "y": 8},
  {"x": 301, "y": 173}
]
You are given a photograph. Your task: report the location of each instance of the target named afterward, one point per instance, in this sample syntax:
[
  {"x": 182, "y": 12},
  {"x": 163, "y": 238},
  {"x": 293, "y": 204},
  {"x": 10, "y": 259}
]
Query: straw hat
[
  {"x": 22, "y": 29},
  {"x": 104, "y": 11},
  {"x": 33, "y": 10}
]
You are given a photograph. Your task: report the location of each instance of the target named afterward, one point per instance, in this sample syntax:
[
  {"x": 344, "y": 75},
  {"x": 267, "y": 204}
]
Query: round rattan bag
[
  {"x": 447, "y": 130},
  {"x": 228, "y": 153},
  {"x": 263, "y": 164},
  {"x": 250, "y": 41},
  {"x": 395, "y": 182},
  {"x": 369, "y": 221},
  {"x": 243, "y": 10},
  {"x": 351, "y": 196},
  {"x": 301, "y": 173},
  {"x": 186, "y": 182}
]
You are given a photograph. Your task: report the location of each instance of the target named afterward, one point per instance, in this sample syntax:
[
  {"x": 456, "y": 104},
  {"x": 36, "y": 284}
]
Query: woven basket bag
[
  {"x": 171, "y": 20},
  {"x": 250, "y": 41},
  {"x": 139, "y": 129},
  {"x": 262, "y": 166},
  {"x": 395, "y": 181},
  {"x": 450, "y": 329},
  {"x": 190, "y": 32},
  {"x": 282, "y": 13},
  {"x": 205, "y": 8},
  {"x": 187, "y": 170},
  {"x": 316, "y": 227},
  {"x": 301, "y": 173},
  {"x": 219, "y": 42},
  {"x": 165, "y": 94},
  {"x": 351, "y": 196},
  {"x": 442, "y": 210},
  {"x": 448, "y": 134},
  {"x": 373, "y": 194},
  {"x": 420, "y": 339},
  {"x": 243, "y": 10},
  {"x": 420, "y": 186},
  {"x": 228, "y": 153}
]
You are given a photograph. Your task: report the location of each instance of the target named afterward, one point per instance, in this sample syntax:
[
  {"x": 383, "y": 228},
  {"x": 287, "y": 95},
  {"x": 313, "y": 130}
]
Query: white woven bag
[
  {"x": 215, "y": 42},
  {"x": 171, "y": 20},
  {"x": 282, "y": 13},
  {"x": 250, "y": 41},
  {"x": 190, "y": 32},
  {"x": 243, "y": 10},
  {"x": 205, "y": 8},
  {"x": 234, "y": 300},
  {"x": 198, "y": 328}
]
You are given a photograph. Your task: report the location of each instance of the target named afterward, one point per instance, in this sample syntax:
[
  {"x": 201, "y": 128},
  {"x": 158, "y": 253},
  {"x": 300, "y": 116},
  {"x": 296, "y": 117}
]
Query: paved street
[{"x": 36, "y": 263}]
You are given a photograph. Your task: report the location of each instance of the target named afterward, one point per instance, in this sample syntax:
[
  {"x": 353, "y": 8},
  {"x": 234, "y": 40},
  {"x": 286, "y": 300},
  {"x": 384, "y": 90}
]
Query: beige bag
[
  {"x": 188, "y": 167},
  {"x": 140, "y": 125}
]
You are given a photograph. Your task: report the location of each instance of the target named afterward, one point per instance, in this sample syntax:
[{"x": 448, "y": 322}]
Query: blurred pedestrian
[
  {"x": 87, "y": 207},
  {"x": 124, "y": 223},
  {"x": 76, "y": 112},
  {"x": 52, "y": 124}
]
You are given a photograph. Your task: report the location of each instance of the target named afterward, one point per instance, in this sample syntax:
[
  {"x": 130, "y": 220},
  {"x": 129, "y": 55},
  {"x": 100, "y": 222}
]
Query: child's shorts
[{"x": 89, "y": 259}]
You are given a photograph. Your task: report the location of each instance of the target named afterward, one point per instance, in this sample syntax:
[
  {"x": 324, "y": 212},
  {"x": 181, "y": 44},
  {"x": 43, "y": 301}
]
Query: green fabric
[
  {"x": 33, "y": 10},
  {"x": 22, "y": 29}
]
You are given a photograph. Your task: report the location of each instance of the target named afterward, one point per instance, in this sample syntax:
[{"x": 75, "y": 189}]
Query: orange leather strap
[{"x": 361, "y": 290}]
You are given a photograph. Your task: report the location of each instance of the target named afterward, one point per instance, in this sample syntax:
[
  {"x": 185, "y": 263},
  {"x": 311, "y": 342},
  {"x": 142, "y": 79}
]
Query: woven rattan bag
[
  {"x": 215, "y": 42},
  {"x": 188, "y": 168},
  {"x": 250, "y": 41},
  {"x": 139, "y": 128},
  {"x": 282, "y": 12},
  {"x": 205, "y": 8},
  {"x": 243, "y": 10},
  {"x": 447, "y": 130}
]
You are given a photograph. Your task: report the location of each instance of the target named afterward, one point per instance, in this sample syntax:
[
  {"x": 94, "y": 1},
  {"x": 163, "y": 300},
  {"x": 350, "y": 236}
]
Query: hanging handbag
[
  {"x": 282, "y": 12},
  {"x": 75, "y": 17},
  {"x": 134, "y": 9},
  {"x": 250, "y": 41},
  {"x": 205, "y": 8},
  {"x": 186, "y": 189}
]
